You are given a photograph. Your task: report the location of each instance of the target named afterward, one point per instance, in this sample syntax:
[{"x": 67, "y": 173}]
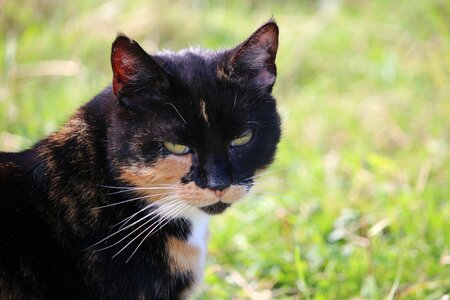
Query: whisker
[
  {"x": 240, "y": 100},
  {"x": 181, "y": 204},
  {"x": 130, "y": 217},
  {"x": 158, "y": 227},
  {"x": 136, "y": 229},
  {"x": 129, "y": 191},
  {"x": 266, "y": 193},
  {"x": 154, "y": 212},
  {"x": 152, "y": 226},
  {"x": 266, "y": 172},
  {"x": 173, "y": 106},
  {"x": 234, "y": 102},
  {"x": 117, "y": 232},
  {"x": 162, "y": 207},
  {"x": 155, "y": 187},
  {"x": 156, "y": 203},
  {"x": 263, "y": 196},
  {"x": 155, "y": 215},
  {"x": 149, "y": 188},
  {"x": 279, "y": 197},
  {"x": 130, "y": 200}
]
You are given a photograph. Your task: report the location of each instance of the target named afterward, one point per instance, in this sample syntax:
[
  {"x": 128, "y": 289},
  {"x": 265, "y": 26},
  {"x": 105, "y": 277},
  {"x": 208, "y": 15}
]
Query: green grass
[{"x": 357, "y": 203}]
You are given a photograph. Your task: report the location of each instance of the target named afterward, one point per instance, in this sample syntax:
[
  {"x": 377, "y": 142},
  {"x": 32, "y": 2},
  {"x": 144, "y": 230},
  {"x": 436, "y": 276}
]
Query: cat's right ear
[
  {"x": 131, "y": 65},
  {"x": 254, "y": 59}
]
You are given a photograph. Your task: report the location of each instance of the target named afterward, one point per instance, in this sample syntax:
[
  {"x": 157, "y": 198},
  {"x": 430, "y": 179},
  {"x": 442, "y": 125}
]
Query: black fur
[{"x": 49, "y": 227}]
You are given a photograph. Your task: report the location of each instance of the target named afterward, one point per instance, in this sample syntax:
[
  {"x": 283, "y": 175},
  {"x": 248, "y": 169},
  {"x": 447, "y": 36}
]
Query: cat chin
[{"x": 216, "y": 208}]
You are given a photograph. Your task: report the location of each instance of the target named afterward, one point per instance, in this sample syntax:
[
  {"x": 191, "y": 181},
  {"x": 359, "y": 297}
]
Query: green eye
[
  {"x": 242, "y": 140},
  {"x": 176, "y": 148}
]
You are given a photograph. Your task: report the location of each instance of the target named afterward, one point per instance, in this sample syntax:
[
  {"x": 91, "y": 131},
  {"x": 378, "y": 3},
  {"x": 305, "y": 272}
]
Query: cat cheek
[
  {"x": 168, "y": 170},
  {"x": 191, "y": 194},
  {"x": 234, "y": 193}
]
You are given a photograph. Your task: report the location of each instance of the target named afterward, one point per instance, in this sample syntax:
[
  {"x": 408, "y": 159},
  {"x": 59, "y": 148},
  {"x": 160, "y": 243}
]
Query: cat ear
[
  {"x": 255, "y": 57},
  {"x": 132, "y": 65}
]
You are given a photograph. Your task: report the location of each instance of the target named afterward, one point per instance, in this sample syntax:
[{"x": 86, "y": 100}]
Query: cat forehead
[
  {"x": 200, "y": 96},
  {"x": 185, "y": 56},
  {"x": 195, "y": 71},
  {"x": 190, "y": 65}
]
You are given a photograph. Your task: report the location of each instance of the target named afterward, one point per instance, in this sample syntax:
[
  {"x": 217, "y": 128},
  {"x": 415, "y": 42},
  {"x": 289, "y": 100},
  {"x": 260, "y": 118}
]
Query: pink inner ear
[
  {"x": 257, "y": 55},
  {"x": 124, "y": 68}
]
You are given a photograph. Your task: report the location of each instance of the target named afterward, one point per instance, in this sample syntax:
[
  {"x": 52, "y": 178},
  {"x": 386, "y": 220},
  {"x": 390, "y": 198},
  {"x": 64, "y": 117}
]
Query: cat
[{"x": 115, "y": 205}]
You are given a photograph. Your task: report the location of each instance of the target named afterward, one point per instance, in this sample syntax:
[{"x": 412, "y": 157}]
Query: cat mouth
[{"x": 216, "y": 208}]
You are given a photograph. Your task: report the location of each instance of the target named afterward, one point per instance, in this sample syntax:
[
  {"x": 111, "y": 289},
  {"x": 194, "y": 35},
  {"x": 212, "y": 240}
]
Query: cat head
[{"x": 196, "y": 125}]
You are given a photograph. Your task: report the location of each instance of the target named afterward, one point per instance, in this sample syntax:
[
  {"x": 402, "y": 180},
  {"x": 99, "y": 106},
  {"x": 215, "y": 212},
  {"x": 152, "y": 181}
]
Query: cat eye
[
  {"x": 243, "y": 139},
  {"x": 177, "y": 149}
]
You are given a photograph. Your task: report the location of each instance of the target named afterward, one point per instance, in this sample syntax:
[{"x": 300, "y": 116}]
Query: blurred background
[{"x": 356, "y": 205}]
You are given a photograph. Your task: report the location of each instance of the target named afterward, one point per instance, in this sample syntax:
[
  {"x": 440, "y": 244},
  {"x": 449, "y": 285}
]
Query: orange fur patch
[
  {"x": 234, "y": 193},
  {"x": 164, "y": 172},
  {"x": 194, "y": 195},
  {"x": 221, "y": 74},
  {"x": 183, "y": 257},
  {"x": 203, "y": 113},
  {"x": 75, "y": 127}
]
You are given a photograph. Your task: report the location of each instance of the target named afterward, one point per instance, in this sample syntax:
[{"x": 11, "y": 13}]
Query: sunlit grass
[{"x": 357, "y": 205}]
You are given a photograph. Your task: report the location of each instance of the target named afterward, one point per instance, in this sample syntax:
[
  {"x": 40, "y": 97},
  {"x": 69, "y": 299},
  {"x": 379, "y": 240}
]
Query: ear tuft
[{"x": 255, "y": 57}]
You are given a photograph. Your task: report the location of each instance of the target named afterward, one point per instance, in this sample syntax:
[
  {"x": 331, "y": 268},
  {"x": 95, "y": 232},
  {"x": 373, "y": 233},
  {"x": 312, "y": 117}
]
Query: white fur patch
[
  {"x": 199, "y": 232},
  {"x": 198, "y": 238}
]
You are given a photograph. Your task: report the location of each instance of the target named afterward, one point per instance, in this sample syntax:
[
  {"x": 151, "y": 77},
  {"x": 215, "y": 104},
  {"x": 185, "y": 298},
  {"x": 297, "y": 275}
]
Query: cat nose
[
  {"x": 216, "y": 174},
  {"x": 218, "y": 184},
  {"x": 219, "y": 194}
]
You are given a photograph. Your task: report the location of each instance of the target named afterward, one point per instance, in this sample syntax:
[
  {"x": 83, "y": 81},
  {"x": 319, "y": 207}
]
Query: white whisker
[
  {"x": 152, "y": 213},
  {"x": 152, "y": 226},
  {"x": 132, "y": 190},
  {"x": 156, "y": 203},
  {"x": 130, "y": 217},
  {"x": 131, "y": 200},
  {"x": 266, "y": 172},
  {"x": 170, "y": 201},
  {"x": 173, "y": 106},
  {"x": 150, "y": 188},
  {"x": 131, "y": 187},
  {"x": 167, "y": 219}
]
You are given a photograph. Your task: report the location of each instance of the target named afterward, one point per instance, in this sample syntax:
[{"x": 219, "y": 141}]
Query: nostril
[{"x": 219, "y": 193}]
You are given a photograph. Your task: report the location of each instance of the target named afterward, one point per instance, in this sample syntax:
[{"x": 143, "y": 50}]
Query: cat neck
[
  {"x": 188, "y": 255},
  {"x": 199, "y": 227}
]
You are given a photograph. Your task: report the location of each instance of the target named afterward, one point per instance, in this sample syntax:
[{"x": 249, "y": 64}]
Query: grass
[{"x": 356, "y": 205}]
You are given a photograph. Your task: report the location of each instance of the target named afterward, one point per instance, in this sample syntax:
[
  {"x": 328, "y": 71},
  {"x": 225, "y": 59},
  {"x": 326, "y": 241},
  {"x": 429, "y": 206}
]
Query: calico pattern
[{"x": 101, "y": 209}]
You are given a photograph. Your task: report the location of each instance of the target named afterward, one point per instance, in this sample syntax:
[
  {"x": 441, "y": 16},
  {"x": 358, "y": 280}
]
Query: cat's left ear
[
  {"x": 255, "y": 57},
  {"x": 132, "y": 65}
]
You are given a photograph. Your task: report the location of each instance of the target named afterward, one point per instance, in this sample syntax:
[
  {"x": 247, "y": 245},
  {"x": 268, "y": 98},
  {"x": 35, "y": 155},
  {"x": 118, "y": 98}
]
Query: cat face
[{"x": 195, "y": 125}]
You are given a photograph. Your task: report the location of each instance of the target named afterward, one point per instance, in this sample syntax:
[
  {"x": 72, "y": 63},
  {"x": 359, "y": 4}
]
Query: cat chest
[
  {"x": 187, "y": 256},
  {"x": 184, "y": 257}
]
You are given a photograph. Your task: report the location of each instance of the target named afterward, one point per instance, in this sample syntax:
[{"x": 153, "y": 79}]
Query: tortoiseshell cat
[{"x": 115, "y": 205}]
